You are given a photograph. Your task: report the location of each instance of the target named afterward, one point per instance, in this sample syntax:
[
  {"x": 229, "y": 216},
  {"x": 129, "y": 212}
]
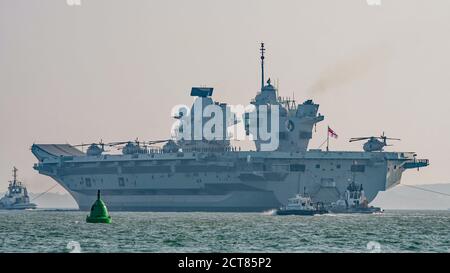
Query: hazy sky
[{"x": 113, "y": 70}]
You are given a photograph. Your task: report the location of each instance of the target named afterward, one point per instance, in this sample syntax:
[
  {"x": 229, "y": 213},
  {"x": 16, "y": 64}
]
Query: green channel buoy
[{"x": 99, "y": 212}]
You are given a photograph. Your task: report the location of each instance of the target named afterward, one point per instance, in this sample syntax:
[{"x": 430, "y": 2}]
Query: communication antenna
[
  {"x": 278, "y": 88},
  {"x": 293, "y": 100},
  {"x": 262, "y": 49},
  {"x": 15, "y": 175}
]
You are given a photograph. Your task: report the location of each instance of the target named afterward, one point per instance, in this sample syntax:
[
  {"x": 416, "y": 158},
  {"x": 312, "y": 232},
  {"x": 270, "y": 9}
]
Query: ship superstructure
[{"x": 196, "y": 173}]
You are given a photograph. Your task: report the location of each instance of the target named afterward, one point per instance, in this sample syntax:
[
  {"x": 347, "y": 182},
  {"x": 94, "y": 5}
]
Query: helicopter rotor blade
[
  {"x": 84, "y": 144},
  {"x": 156, "y": 141},
  {"x": 79, "y": 145},
  {"x": 358, "y": 139},
  {"x": 117, "y": 143}
]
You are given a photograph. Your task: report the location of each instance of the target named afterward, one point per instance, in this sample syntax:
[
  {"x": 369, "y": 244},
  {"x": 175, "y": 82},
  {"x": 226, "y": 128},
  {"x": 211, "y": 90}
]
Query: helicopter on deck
[
  {"x": 127, "y": 147},
  {"x": 94, "y": 149},
  {"x": 374, "y": 144}
]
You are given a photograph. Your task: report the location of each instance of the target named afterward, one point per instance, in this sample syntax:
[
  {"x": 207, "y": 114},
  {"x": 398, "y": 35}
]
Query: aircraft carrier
[{"x": 191, "y": 174}]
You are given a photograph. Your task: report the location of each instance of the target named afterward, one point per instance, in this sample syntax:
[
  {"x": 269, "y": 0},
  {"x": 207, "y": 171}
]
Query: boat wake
[{"x": 270, "y": 212}]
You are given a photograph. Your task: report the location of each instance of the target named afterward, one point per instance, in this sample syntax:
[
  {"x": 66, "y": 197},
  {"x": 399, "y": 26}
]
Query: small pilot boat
[{"x": 301, "y": 205}]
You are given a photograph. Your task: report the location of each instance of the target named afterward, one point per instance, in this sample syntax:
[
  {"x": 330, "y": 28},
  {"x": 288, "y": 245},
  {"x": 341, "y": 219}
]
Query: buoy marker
[{"x": 99, "y": 212}]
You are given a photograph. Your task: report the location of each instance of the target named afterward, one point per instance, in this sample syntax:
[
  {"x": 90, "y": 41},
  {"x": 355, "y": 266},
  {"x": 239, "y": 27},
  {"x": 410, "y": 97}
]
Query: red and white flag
[{"x": 331, "y": 133}]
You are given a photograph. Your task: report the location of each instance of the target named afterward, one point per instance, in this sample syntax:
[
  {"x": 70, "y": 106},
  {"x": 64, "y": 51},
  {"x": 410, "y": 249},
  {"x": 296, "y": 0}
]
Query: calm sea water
[{"x": 66, "y": 231}]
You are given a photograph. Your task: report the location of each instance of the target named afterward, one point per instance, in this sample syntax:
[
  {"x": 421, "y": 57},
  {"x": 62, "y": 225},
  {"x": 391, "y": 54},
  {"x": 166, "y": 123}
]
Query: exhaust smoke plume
[{"x": 346, "y": 71}]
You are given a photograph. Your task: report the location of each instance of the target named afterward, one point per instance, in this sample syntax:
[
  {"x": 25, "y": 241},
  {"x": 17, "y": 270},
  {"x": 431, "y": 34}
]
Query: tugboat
[
  {"x": 354, "y": 201},
  {"x": 301, "y": 205},
  {"x": 17, "y": 195}
]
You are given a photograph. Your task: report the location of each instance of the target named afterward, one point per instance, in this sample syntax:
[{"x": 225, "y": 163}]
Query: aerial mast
[
  {"x": 15, "y": 175},
  {"x": 262, "y": 49}
]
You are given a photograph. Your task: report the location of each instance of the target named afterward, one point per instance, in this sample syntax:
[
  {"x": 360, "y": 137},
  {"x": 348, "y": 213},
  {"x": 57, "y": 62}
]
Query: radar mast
[
  {"x": 15, "y": 176},
  {"x": 262, "y": 49}
]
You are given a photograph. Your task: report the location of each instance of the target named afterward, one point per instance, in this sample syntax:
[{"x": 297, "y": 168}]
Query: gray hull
[{"x": 237, "y": 181}]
